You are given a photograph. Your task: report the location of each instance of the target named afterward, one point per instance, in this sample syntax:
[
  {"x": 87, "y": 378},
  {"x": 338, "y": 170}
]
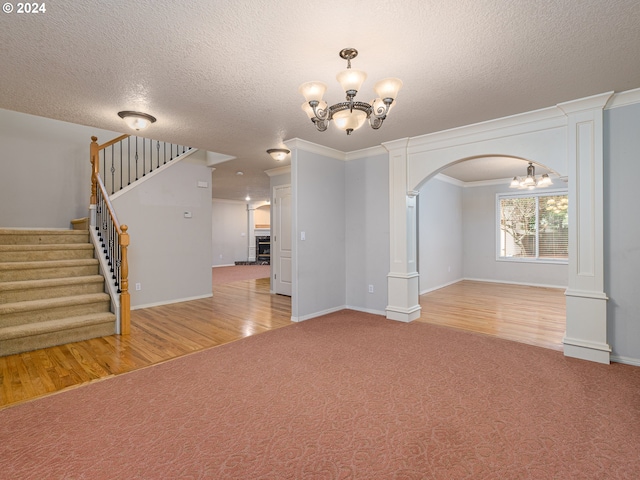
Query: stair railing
[
  {"x": 112, "y": 238},
  {"x": 125, "y": 160}
]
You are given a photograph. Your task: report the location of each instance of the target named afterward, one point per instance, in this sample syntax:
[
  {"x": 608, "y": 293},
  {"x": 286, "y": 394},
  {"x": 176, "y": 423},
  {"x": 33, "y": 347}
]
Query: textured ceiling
[{"x": 223, "y": 75}]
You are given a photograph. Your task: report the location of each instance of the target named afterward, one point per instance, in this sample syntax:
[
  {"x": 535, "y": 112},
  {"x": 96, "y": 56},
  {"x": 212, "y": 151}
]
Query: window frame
[{"x": 498, "y": 230}]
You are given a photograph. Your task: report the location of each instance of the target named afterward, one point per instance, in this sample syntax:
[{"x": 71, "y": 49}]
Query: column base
[
  {"x": 403, "y": 297},
  {"x": 586, "y": 335}
]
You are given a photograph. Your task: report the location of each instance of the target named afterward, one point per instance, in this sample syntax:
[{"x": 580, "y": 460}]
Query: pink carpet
[
  {"x": 238, "y": 273},
  {"x": 346, "y": 396}
]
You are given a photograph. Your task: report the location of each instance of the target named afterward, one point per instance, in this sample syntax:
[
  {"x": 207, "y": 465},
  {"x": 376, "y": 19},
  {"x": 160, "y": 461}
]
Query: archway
[{"x": 568, "y": 139}]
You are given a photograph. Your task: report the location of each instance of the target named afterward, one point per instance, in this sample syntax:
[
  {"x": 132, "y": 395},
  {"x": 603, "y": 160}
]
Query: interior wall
[
  {"x": 440, "y": 236},
  {"x": 318, "y": 195},
  {"x": 622, "y": 231},
  {"x": 229, "y": 232},
  {"x": 46, "y": 173},
  {"x": 170, "y": 255},
  {"x": 479, "y": 245},
  {"x": 367, "y": 233}
]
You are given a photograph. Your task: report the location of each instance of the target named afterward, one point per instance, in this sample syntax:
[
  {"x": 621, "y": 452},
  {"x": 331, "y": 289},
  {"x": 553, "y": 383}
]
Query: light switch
[
  {"x": 187, "y": 215},
  {"x": 303, "y": 236},
  {"x": 203, "y": 184}
]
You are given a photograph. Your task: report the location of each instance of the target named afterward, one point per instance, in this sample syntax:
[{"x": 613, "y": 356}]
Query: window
[{"x": 533, "y": 227}]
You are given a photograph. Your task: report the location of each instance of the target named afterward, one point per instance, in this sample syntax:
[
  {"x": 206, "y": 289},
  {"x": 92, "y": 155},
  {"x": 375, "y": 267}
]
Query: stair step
[
  {"x": 16, "y": 271},
  {"x": 30, "y": 253},
  {"x": 23, "y": 338},
  {"x": 44, "y": 310},
  {"x": 27, "y": 290},
  {"x": 41, "y": 236}
]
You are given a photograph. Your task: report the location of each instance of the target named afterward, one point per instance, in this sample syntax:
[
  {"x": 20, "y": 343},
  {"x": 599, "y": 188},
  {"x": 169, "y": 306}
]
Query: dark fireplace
[{"x": 263, "y": 250}]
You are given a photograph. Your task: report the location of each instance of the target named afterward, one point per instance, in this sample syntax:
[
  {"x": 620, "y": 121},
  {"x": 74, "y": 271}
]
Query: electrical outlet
[
  {"x": 370, "y": 288},
  {"x": 138, "y": 287}
]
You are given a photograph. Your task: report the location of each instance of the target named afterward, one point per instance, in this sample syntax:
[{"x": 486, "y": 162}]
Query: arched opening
[{"x": 466, "y": 279}]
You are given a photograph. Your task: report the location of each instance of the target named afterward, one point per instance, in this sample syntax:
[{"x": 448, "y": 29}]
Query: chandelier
[
  {"x": 530, "y": 181},
  {"x": 349, "y": 115}
]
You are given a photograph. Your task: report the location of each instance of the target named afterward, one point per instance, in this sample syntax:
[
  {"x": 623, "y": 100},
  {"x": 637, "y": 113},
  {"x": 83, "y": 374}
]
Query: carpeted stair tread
[
  {"x": 33, "y": 336},
  {"x": 29, "y": 329},
  {"x": 45, "y": 252},
  {"x": 50, "y": 282},
  {"x": 6, "y": 266},
  {"x": 43, "y": 310},
  {"x": 17, "y": 271},
  {"x": 42, "y": 236},
  {"x": 25, "y": 290},
  {"x": 42, "y": 304},
  {"x": 51, "y": 291}
]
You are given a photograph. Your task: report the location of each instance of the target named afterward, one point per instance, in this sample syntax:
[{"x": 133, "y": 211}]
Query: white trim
[
  {"x": 623, "y": 99},
  {"x": 447, "y": 179},
  {"x": 149, "y": 175},
  {"x": 169, "y": 302},
  {"x": 509, "y": 282},
  {"x": 587, "y": 103},
  {"x": 299, "y": 144},
  {"x": 225, "y": 265},
  {"x": 488, "y": 183},
  {"x": 366, "y": 310},
  {"x": 626, "y": 360},
  {"x": 537, "y": 120},
  {"x": 433, "y": 289},
  {"x": 584, "y": 294},
  {"x": 278, "y": 171},
  {"x": 317, "y": 314},
  {"x": 365, "y": 153},
  {"x": 109, "y": 285}
]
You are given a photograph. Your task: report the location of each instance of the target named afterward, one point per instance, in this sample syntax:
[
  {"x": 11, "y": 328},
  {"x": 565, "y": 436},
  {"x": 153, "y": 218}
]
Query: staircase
[{"x": 51, "y": 292}]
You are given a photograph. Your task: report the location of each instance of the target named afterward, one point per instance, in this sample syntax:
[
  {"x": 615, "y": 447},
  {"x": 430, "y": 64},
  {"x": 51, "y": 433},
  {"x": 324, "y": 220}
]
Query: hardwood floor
[
  {"x": 237, "y": 310},
  {"x": 524, "y": 314},
  {"x": 532, "y": 315}
]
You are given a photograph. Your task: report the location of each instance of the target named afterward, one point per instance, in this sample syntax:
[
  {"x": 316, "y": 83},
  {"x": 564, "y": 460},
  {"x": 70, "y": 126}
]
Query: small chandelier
[
  {"x": 530, "y": 182},
  {"x": 349, "y": 115}
]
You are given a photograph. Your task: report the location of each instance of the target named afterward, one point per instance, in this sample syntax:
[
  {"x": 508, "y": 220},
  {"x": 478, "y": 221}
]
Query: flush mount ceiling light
[
  {"x": 530, "y": 182},
  {"x": 349, "y": 115},
  {"x": 137, "y": 120},
  {"x": 278, "y": 154}
]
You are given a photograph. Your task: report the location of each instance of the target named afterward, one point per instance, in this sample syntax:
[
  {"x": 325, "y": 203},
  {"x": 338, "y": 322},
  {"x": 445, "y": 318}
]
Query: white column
[
  {"x": 586, "y": 333},
  {"x": 252, "y": 234},
  {"x": 403, "y": 279}
]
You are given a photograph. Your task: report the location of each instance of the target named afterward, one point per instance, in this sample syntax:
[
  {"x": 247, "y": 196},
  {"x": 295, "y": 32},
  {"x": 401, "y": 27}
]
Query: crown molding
[
  {"x": 623, "y": 99},
  {"x": 286, "y": 169},
  {"x": 447, "y": 179},
  {"x": 587, "y": 103},
  {"x": 366, "y": 153},
  {"x": 536, "y": 120},
  {"x": 299, "y": 144}
]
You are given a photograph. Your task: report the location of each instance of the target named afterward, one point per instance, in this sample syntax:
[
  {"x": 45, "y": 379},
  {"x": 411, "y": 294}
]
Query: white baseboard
[
  {"x": 626, "y": 360},
  {"x": 317, "y": 314},
  {"x": 508, "y": 282},
  {"x": 227, "y": 265},
  {"x": 367, "y": 310},
  {"x": 440, "y": 286},
  {"x": 169, "y": 302}
]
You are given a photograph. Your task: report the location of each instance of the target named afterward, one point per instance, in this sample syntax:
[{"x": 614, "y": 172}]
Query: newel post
[
  {"x": 125, "y": 299},
  {"x": 93, "y": 149}
]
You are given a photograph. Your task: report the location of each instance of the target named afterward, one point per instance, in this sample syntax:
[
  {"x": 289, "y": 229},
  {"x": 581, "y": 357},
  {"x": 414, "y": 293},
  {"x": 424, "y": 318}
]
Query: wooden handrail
[
  {"x": 111, "y": 142},
  {"x": 112, "y": 212}
]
